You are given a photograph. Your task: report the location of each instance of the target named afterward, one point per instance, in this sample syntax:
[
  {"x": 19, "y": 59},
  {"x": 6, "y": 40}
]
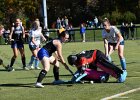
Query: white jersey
[
  {"x": 36, "y": 34},
  {"x": 112, "y": 36}
]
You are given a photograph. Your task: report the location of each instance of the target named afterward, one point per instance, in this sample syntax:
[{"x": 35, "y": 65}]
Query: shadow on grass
[
  {"x": 50, "y": 76},
  {"x": 17, "y": 85},
  {"x": 32, "y": 85},
  {"x": 2, "y": 70}
]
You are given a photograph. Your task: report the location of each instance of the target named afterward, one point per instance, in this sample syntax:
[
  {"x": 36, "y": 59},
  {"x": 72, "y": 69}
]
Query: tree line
[{"x": 78, "y": 11}]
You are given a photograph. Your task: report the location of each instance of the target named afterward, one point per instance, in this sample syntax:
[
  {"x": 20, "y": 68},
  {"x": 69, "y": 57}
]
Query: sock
[
  {"x": 109, "y": 58},
  {"x": 24, "y": 61},
  {"x": 123, "y": 63},
  {"x": 36, "y": 62},
  {"x": 12, "y": 61},
  {"x": 56, "y": 72},
  {"x": 32, "y": 60},
  {"x": 42, "y": 74}
]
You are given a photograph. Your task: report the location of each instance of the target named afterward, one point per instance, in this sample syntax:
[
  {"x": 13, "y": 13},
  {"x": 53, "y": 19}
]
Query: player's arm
[
  {"x": 11, "y": 33},
  {"x": 59, "y": 53},
  {"x": 105, "y": 46},
  {"x": 23, "y": 31}
]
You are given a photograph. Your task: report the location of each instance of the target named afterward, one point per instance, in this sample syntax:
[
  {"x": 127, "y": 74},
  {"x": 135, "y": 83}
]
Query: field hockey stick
[
  {"x": 71, "y": 71},
  {"x": 1, "y": 63}
]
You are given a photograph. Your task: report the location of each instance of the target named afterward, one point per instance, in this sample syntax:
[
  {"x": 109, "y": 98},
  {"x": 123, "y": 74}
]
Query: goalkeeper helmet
[{"x": 72, "y": 59}]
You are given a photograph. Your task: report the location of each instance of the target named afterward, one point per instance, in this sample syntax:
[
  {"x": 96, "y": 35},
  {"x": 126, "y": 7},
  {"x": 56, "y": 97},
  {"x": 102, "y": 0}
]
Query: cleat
[
  {"x": 9, "y": 69},
  {"x": 39, "y": 85},
  {"x": 57, "y": 82},
  {"x": 26, "y": 68},
  {"x": 122, "y": 78},
  {"x": 30, "y": 66},
  {"x": 37, "y": 68}
]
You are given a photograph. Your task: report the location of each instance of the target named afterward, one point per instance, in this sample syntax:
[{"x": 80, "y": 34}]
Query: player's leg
[
  {"x": 36, "y": 59},
  {"x": 15, "y": 52},
  {"x": 23, "y": 58},
  {"x": 55, "y": 62},
  {"x": 33, "y": 57},
  {"x": 121, "y": 56},
  {"x": 46, "y": 66},
  {"x": 109, "y": 67},
  {"x": 97, "y": 76},
  {"x": 123, "y": 63}
]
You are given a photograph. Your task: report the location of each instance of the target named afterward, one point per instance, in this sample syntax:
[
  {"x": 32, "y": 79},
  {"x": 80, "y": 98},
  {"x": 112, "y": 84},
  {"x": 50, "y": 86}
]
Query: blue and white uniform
[
  {"x": 36, "y": 34},
  {"x": 17, "y": 36},
  {"x": 112, "y": 36},
  {"x": 47, "y": 50},
  {"x": 112, "y": 39}
]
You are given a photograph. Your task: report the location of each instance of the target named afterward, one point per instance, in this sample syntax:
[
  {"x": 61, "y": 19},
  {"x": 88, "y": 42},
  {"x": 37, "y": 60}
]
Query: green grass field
[{"x": 19, "y": 85}]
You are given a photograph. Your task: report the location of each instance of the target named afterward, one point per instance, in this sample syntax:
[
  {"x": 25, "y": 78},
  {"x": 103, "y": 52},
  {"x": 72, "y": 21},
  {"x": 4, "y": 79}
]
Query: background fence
[{"x": 92, "y": 34}]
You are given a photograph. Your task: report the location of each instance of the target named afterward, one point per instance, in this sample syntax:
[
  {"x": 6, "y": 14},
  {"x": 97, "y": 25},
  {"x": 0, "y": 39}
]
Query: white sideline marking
[{"x": 121, "y": 94}]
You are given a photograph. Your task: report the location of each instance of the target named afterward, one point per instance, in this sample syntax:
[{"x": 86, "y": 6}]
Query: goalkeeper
[{"x": 94, "y": 59}]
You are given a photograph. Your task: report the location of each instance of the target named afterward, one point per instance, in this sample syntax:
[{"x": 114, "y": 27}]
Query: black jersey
[
  {"x": 50, "y": 47},
  {"x": 17, "y": 33}
]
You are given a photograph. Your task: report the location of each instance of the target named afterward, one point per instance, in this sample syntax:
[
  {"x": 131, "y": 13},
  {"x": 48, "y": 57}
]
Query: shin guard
[
  {"x": 42, "y": 74},
  {"x": 56, "y": 72},
  {"x": 12, "y": 61},
  {"x": 24, "y": 61}
]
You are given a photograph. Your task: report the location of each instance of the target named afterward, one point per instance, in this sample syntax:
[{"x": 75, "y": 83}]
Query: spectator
[
  {"x": 6, "y": 35},
  {"x": 89, "y": 24},
  {"x": 63, "y": 22},
  {"x": 66, "y": 22},
  {"x": 126, "y": 31},
  {"x": 71, "y": 33},
  {"x": 132, "y": 30},
  {"x": 58, "y": 23},
  {"x": 122, "y": 29},
  {"x": 82, "y": 32},
  {"x": 96, "y": 22},
  {"x": 1, "y": 32}
]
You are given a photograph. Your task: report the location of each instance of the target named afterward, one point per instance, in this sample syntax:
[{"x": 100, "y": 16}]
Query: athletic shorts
[
  {"x": 33, "y": 47},
  {"x": 17, "y": 44},
  {"x": 114, "y": 44},
  {"x": 42, "y": 53}
]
